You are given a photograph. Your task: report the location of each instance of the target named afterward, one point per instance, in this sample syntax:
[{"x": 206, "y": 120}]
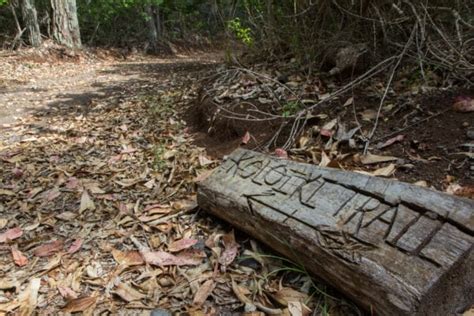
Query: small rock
[
  {"x": 470, "y": 134},
  {"x": 465, "y": 124},
  {"x": 160, "y": 312}
]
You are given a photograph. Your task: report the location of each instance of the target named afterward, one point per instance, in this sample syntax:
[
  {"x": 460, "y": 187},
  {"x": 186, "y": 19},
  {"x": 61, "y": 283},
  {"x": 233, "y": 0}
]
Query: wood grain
[{"x": 394, "y": 248}]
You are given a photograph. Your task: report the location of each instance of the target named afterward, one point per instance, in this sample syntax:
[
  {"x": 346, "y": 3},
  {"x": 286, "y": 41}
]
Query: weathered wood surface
[{"x": 395, "y": 248}]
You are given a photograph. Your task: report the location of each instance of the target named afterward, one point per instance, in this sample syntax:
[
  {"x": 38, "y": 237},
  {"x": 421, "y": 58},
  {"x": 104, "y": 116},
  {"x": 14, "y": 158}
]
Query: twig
[
  {"x": 387, "y": 88},
  {"x": 411, "y": 125}
]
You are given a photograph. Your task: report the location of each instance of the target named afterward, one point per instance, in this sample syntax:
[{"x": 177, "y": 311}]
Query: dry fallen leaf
[
  {"x": 127, "y": 258},
  {"x": 203, "y": 292},
  {"x": 28, "y": 299},
  {"x": 11, "y": 234},
  {"x": 181, "y": 244},
  {"x": 231, "y": 249},
  {"x": 245, "y": 138},
  {"x": 348, "y": 102},
  {"x": 280, "y": 152},
  {"x": 86, "y": 202},
  {"x": 373, "y": 159},
  {"x": 18, "y": 257},
  {"x": 286, "y": 294},
  {"x": 128, "y": 293},
  {"x": 385, "y": 171},
  {"x": 162, "y": 258},
  {"x": 67, "y": 292},
  {"x": 391, "y": 141},
  {"x": 79, "y": 304},
  {"x": 464, "y": 191},
  {"x": 463, "y": 104},
  {"x": 48, "y": 249},
  {"x": 75, "y": 246},
  {"x": 325, "y": 160}
]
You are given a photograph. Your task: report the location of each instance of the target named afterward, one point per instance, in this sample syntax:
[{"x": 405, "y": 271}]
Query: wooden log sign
[{"x": 394, "y": 248}]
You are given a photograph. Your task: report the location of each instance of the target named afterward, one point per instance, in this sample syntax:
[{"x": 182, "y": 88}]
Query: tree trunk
[
  {"x": 152, "y": 30},
  {"x": 65, "y": 23},
  {"x": 30, "y": 19}
]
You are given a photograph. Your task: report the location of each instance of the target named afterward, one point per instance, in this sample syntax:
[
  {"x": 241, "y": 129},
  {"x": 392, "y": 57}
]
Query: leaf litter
[{"x": 98, "y": 214}]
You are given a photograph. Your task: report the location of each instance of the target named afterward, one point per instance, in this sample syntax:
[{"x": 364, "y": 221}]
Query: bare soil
[{"x": 434, "y": 136}]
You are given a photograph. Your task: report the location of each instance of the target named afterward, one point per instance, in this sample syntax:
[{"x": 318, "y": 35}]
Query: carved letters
[
  {"x": 395, "y": 248},
  {"x": 362, "y": 219}
]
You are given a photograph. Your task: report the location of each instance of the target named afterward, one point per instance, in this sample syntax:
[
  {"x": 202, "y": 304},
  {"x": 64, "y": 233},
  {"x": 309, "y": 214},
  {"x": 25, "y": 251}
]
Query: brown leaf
[
  {"x": 203, "y": 292},
  {"x": 373, "y": 159},
  {"x": 48, "y": 249},
  {"x": 128, "y": 293},
  {"x": 86, "y": 202},
  {"x": 66, "y": 216},
  {"x": 18, "y": 257},
  {"x": 11, "y": 234},
  {"x": 28, "y": 299},
  {"x": 67, "y": 292},
  {"x": 287, "y": 294},
  {"x": 204, "y": 161},
  {"x": 128, "y": 258},
  {"x": 79, "y": 304},
  {"x": 391, "y": 141},
  {"x": 75, "y": 246},
  {"x": 52, "y": 194},
  {"x": 231, "y": 248},
  {"x": 161, "y": 258},
  {"x": 385, "y": 171},
  {"x": 181, "y": 244},
  {"x": 241, "y": 292}
]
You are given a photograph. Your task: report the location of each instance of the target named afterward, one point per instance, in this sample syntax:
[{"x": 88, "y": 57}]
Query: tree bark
[
  {"x": 65, "y": 23},
  {"x": 394, "y": 248},
  {"x": 152, "y": 29},
  {"x": 30, "y": 19}
]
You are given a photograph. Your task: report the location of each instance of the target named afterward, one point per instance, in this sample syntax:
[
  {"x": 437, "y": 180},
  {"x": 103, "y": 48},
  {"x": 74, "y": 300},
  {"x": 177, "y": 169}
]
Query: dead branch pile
[{"x": 362, "y": 39}]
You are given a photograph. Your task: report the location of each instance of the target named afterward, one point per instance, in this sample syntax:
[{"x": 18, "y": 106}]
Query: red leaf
[
  {"x": 463, "y": 104},
  {"x": 246, "y": 138},
  {"x": 11, "y": 234},
  {"x": 75, "y": 246},
  {"x": 280, "y": 152},
  {"x": 48, "y": 249},
  {"x": 18, "y": 257},
  {"x": 181, "y": 244},
  {"x": 326, "y": 132}
]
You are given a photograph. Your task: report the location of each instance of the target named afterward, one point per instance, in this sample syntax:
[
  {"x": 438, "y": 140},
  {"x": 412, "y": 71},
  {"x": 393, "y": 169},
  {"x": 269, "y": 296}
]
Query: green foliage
[
  {"x": 242, "y": 33},
  {"x": 290, "y": 108},
  {"x": 3, "y": 2},
  {"x": 159, "y": 161}
]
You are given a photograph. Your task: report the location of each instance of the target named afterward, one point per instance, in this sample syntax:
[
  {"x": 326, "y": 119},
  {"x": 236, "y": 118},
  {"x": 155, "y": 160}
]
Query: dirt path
[
  {"x": 97, "y": 206},
  {"x": 29, "y": 87}
]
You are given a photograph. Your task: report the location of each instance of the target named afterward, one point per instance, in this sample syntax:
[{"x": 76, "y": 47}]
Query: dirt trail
[{"x": 28, "y": 87}]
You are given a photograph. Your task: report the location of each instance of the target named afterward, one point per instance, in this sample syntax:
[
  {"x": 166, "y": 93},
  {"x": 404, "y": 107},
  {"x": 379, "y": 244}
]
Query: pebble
[
  {"x": 160, "y": 312},
  {"x": 470, "y": 133}
]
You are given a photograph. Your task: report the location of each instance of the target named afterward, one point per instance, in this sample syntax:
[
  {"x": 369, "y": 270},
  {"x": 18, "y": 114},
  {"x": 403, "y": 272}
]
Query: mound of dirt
[{"x": 221, "y": 132}]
